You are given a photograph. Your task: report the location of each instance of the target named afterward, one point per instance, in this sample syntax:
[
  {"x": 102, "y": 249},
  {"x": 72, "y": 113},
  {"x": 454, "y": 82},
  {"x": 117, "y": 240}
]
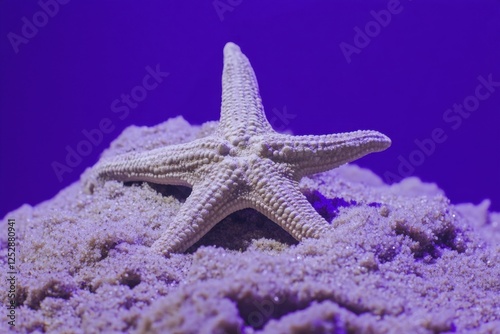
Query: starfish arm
[
  {"x": 277, "y": 197},
  {"x": 209, "y": 202},
  {"x": 175, "y": 164},
  {"x": 242, "y": 112},
  {"x": 314, "y": 154}
]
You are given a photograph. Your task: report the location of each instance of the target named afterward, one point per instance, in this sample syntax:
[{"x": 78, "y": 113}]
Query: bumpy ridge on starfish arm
[{"x": 315, "y": 154}]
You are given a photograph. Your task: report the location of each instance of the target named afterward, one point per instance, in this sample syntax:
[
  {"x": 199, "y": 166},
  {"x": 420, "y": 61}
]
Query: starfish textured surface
[{"x": 244, "y": 164}]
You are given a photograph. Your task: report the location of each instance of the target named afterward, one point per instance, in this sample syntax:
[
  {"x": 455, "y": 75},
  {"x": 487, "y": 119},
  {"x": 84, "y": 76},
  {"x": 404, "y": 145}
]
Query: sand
[{"x": 398, "y": 259}]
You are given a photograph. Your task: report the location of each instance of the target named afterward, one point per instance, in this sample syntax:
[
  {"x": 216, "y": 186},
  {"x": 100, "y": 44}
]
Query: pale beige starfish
[{"x": 244, "y": 164}]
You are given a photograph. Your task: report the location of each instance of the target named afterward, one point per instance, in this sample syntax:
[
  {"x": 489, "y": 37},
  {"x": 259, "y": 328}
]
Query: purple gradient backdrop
[{"x": 65, "y": 78}]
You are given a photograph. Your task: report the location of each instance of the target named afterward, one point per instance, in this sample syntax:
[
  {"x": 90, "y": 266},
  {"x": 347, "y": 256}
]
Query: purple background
[{"x": 65, "y": 78}]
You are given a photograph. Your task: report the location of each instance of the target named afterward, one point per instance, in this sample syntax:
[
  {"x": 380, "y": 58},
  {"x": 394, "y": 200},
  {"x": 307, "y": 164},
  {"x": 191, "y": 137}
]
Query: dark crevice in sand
[
  {"x": 130, "y": 279},
  {"x": 238, "y": 230},
  {"x": 86, "y": 287},
  {"x": 22, "y": 295},
  {"x": 52, "y": 288},
  {"x": 178, "y": 192},
  {"x": 257, "y": 312},
  {"x": 128, "y": 303},
  {"x": 430, "y": 247},
  {"x": 104, "y": 247},
  {"x": 328, "y": 208},
  {"x": 37, "y": 328}
]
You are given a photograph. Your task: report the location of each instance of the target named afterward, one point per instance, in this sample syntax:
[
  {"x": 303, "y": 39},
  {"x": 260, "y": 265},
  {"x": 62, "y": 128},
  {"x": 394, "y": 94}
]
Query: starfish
[{"x": 243, "y": 164}]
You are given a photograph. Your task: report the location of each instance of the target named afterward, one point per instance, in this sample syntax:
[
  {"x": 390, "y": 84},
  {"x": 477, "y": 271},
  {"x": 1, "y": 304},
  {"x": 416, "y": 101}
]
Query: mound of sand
[{"x": 398, "y": 259}]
